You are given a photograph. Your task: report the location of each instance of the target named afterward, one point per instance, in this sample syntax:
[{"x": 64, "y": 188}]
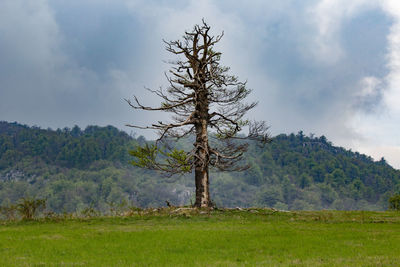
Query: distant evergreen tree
[{"x": 73, "y": 168}]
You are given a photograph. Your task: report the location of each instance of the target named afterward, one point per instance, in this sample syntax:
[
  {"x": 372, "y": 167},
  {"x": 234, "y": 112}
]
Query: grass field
[{"x": 219, "y": 238}]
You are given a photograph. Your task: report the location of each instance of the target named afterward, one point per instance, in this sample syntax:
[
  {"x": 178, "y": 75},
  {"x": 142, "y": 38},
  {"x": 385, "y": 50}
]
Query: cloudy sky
[{"x": 328, "y": 67}]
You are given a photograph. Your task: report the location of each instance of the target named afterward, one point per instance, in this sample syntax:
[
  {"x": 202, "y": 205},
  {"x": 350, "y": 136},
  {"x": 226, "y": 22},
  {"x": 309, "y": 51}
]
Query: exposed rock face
[
  {"x": 16, "y": 175},
  {"x": 12, "y": 175}
]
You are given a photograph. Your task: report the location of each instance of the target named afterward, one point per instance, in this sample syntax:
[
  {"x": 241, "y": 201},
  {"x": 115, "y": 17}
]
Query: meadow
[{"x": 189, "y": 237}]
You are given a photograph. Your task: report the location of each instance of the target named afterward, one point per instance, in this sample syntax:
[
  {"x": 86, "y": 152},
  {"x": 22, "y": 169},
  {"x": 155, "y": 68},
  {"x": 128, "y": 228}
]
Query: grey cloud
[
  {"x": 47, "y": 77},
  {"x": 66, "y": 62}
]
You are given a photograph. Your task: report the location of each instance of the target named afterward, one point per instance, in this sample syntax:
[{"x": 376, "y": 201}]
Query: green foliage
[
  {"x": 394, "y": 202},
  {"x": 72, "y": 148},
  {"x": 305, "y": 181},
  {"x": 145, "y": 156},
  {"x": 175, "y": 160},
  {"x": 271, "y": 196},
  {"x": 74, "y": 168},
  {"x": 178, "y": 158}
]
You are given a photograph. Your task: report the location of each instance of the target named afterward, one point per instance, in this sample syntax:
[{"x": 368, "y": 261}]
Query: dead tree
[{"x": 207, "y": 102}]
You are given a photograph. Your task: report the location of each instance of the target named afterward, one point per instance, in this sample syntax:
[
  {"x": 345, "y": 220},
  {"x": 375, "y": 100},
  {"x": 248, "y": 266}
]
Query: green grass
[{"x": 219, "y": 238}]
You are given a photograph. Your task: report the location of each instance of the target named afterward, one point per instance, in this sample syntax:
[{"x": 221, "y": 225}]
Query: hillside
[{"x": 75, "y": 168}]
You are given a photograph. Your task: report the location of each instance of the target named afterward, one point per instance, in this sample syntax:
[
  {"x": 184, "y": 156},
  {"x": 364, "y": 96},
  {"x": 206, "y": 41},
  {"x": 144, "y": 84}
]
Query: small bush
[
  {"x": 117, "y": 209},
  {"x": 394, "y": 202},
  {"x": 90, "y": 212},
  {"x": 9, "y": 212},
  {"x": 28, "y": 208}
]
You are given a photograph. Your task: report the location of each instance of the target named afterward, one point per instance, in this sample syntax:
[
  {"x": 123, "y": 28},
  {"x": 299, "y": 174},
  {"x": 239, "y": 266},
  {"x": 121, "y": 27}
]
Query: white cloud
[
  {"x": 328, "y": 16},
  {"x": 369, "y": 86},
  {"x": 392, "y": 93},
  {"x": 379, "y": 130}
]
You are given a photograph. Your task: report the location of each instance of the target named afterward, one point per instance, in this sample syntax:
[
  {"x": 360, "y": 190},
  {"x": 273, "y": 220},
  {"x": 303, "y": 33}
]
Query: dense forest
[{"x": 75, "y": 168}]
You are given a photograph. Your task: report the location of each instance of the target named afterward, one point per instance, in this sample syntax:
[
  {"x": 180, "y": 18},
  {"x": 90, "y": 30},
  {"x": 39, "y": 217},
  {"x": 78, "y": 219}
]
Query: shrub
[
  {"x": 394, "y": 202},
  {"x": 90, "y": 211},
  {"x": 117, "y": 209},
  {"x": 9, "y": 212},
  {"x": 29, "y": 207}
]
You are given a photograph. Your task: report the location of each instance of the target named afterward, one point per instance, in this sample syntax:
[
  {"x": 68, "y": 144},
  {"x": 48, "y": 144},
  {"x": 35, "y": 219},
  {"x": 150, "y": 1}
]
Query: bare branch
[{"x": 202, "y": 95}]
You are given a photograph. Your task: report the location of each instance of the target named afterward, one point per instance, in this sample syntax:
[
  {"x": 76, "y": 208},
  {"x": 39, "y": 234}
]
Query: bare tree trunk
[
  {"x": 202, "y": 153},
  {"x": 202, "y": 188}
]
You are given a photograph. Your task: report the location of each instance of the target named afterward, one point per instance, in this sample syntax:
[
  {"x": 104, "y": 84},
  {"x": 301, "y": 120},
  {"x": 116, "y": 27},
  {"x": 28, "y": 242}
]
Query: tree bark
[
  {"x": 202, "y": 188},
  {"x": 202, "y": 152}
]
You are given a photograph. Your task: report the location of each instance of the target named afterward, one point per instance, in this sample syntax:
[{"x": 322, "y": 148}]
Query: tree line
[{"x": 293, "y": 172}]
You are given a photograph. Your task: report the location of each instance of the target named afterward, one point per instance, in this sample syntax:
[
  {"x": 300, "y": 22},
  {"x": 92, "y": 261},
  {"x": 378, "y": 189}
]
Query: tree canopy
[{"x": 293, "y": 172}]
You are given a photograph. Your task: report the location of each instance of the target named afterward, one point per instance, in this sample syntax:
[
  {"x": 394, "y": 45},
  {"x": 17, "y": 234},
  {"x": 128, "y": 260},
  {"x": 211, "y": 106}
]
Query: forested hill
[
  {"x": 67, "y": 147},
  {"x": 75, "y": 168}
]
